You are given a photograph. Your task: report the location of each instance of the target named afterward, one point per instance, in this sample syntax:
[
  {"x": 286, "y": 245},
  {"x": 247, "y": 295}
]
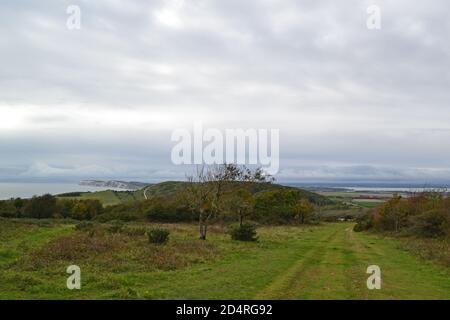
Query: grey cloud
[{"x": 341, "y": 95}]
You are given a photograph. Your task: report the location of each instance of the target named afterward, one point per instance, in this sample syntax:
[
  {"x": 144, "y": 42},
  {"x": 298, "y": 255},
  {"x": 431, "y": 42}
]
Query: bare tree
[
  {"x": 198, "y": 195},
  {"x": 206, "y": 188}
]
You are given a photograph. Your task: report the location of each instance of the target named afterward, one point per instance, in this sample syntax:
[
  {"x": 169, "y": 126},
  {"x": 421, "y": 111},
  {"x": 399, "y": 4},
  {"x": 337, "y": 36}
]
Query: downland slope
[{"x": 171, "y": 189}]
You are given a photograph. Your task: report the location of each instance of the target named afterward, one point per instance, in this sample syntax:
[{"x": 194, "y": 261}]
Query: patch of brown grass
[
  {"x": 78, "y": 247},
  {"x": 430, "y": 249},
  {"x": 122, "y": 252}
]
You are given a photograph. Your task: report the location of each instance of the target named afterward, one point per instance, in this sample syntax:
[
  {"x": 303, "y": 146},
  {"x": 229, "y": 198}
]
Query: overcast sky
[{"x": 351, "y": 104}]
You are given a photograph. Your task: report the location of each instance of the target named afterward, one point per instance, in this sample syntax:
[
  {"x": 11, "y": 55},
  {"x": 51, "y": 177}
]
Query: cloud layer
[{"x": 351, "y": 103}]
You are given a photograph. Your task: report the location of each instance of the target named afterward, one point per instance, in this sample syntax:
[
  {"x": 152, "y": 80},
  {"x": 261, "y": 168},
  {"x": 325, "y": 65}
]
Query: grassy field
[
  {"x": 288, "y": 262},
  {"x": 110, "y": 197}
]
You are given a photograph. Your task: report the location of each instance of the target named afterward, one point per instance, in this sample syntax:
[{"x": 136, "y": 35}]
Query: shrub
[
  {"x": 86, "y": 209},
  {"x": 124, "y": 212},
  {"x": 163, "y": 210},
  {"x": 8, "y": 210},
  {"x": 364, "y": 222},
  {"x": 158, "y": 235},
  {"x": 433, "y": 223},
  {"x": 244, "y": 232}
]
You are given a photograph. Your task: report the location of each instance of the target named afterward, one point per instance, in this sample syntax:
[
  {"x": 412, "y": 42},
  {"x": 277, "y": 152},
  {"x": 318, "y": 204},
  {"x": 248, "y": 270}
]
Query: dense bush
[
  {"x": 8, "y": 210},
  {"x": 426, "y": 214},
  {"x": 158, "y": 235},
  {"x": 364, "y": 222},
  {"x": 244, "y": 232},
  {"x": 433, "y": 223},
  {"x": 124, "y": 212},
  {"x": 86, "y": 209},
  {"x": 48, "y": 206},
  {"x": 41, "y": 207},
  {"x": 165, "y": 210},
  {"x": 283, "y": 206}
]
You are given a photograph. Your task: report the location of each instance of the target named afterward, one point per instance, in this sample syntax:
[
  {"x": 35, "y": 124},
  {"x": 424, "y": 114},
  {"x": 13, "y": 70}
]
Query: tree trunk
[{"x": 202, "y": 227}]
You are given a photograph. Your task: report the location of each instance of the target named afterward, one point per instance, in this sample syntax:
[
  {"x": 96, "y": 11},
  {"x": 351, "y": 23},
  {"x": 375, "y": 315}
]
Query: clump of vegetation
[
  {"x": 284, "y": 205},
  {"x": 48, "y": 206},
  {"x": 364, "y": 222},
  {"x": 425, "y": 214},
  {"x": 71, "y": 194},
  {"x": 431, "y": 224},
  {"x": 158, "y": 235},
  {"x": 131, "y": 211},
  {"x": 244, "y": 232},
  {"x": 163, "y": 209},
  {"x": 76, "y": 247}
]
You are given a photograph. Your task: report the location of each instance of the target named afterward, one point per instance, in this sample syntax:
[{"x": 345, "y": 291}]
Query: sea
[{"x": 371, "y": 187}]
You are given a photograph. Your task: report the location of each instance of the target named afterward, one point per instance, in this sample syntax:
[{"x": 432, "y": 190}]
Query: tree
[
  {"x": 86, "y": 209},
  {"x": 41, "y": 207},
  {"x": 79, "y": 210},
  {"x": 205, "y": 190},
  {"x": 241, "y": 202},
  {"x": 303, "y": 210},
  {"x": 198, "y": 197},
  {"x": 277, "y": 206},
  {"x": 7, "y": 209},
  {"x": 19, "y": 204},
  {"x": 393, "y": 215}
]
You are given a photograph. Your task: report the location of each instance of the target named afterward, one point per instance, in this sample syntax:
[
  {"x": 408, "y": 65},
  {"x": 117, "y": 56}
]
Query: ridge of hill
[{"x": 172, "y": 188}]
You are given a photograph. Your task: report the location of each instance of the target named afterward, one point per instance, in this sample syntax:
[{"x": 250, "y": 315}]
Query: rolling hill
[{"x": 172, "y": 188}]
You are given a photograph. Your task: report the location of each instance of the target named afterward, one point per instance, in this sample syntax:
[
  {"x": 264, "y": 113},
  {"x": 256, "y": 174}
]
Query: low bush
[
  {"x": 158, "y": 235},
  {"x": 244, "y": 232}
]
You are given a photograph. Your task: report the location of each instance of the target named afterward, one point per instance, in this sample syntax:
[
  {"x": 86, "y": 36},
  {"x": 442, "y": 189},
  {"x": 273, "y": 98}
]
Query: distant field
[
  {"x": 359, "y": 198},
  {"x": 368, "y": 203},
  {"x": 289, "y": 262}
]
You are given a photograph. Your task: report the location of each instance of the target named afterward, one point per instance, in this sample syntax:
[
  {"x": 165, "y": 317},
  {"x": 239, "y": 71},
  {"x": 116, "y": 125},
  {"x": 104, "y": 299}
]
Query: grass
[
  {"x": 110, "y": 197},
  {"x": 20, "y": 237},
  {"x": 368, "y": 203},
  {"x": 289, "y": 262}
]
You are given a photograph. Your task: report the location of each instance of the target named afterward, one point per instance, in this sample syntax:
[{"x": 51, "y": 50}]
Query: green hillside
[{"x": 172, "y": 189}]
